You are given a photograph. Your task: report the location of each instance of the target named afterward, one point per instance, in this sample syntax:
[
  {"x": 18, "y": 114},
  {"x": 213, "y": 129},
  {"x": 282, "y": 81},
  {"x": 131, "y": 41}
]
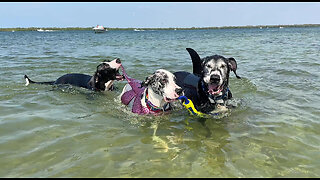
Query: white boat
[
  {"x": 47, "y": 30},
  {"x": 99, "y": 29},
  {"x": 138, "y": 30}
]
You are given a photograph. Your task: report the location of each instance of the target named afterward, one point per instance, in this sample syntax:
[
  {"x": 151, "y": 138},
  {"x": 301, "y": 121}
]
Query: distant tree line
[{"x": 170, "y": 28}]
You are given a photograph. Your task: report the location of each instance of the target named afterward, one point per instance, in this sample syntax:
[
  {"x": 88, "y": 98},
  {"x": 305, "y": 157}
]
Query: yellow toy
[{"x": 188, "y": 104}]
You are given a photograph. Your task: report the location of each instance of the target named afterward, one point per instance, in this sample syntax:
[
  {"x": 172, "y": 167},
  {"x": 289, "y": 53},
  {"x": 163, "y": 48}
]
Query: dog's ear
[
  {"x": 102, "y": 66},
  {"x": 196, "y": 61},
  {"x": 148, "y": 80},
  {"x": 97, "y": 74},
  {"x": 232, "y": 63},
  {"x": 99, "y": 67}
]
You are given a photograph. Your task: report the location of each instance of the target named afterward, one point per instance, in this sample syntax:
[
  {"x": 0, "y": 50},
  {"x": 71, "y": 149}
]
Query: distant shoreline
[{"x": 170, "y": 28}]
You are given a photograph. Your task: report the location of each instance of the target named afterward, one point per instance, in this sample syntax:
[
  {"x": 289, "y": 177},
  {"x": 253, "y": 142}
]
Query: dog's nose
[
  {"x": 214, "y": 78},
  {"x": 179, "y": 91},
  {"x": 118, "y": 61}
]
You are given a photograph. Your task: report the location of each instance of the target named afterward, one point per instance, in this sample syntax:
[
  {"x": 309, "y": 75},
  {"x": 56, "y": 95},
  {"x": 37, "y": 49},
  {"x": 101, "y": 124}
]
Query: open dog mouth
[
  {"x": 119, "y": 77},
  {"x": 166, "y": 99},
  {"x": 214, "y": 89}
]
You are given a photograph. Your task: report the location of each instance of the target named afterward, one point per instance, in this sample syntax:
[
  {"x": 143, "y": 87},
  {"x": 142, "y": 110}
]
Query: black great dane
[
  {"x": 208, "y": 85},
  {"x": 102, "y": 79}
]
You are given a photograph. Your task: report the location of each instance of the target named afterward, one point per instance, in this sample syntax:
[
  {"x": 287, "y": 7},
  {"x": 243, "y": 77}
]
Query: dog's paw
[{"x": 220, "y": 109}]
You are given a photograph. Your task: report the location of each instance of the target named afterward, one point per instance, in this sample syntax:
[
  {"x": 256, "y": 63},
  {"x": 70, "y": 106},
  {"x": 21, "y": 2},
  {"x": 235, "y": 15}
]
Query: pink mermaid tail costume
[{"x": 137, "y": 93}]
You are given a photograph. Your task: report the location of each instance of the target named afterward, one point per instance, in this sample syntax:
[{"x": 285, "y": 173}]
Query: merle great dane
[
  {"x": 151, "y": 96},
  {"x": 208, "y": 85},
  {"x": 102, "y": 80}
]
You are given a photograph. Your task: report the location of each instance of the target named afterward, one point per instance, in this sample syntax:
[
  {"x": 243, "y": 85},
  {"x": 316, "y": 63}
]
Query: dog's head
[
  {"x": 107, "y": 72},
  {"x": 214, "y": 70},
  {"x": 163, "y": 83}
]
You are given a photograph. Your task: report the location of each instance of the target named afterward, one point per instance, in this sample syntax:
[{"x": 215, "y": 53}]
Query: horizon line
[{"x": 205, "y": 27}]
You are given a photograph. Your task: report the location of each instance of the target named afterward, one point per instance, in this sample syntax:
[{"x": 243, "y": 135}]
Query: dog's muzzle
[
  {"x": 215, "y": 79},
  {"x": 214, "y": 86}
]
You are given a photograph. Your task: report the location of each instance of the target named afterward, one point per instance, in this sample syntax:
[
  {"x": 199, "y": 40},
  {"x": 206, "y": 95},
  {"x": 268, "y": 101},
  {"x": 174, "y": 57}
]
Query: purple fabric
[{"x": 136, "y": 92}]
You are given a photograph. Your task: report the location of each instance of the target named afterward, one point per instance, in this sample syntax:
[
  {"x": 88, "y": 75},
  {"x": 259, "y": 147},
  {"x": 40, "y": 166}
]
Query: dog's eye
[
  {"x": 223, "y": 66},
  {"x": 208, "y": 66},
  {"x": 164, "y": 81}
]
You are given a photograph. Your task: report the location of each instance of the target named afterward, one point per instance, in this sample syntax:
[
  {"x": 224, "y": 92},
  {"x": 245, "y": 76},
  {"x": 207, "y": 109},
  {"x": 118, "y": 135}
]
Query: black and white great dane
[
  {"x": 151, "y": 96},
  {"x": 208, "y": 85},
  {"x": 102, "y": 80}
]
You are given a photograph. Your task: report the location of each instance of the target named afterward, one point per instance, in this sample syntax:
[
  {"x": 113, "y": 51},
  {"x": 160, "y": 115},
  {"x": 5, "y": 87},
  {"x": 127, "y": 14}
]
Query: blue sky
[{"x": 156, "y": 14}]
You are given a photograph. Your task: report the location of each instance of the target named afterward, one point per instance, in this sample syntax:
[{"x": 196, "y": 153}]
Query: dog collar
[{"x": 150, "y": 106}]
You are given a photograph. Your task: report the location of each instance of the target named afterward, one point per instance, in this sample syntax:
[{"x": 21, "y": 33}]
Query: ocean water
[{"x": 47, "y": 131}]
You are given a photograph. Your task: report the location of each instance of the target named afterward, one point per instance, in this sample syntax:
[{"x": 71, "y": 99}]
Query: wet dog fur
[
  {"x": 161, "y": 89},
  {"x": 211, "y": 91},
  {"x": 102, "y": 80}
]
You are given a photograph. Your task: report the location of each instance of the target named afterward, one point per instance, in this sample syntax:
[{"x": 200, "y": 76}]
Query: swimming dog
[
  {"x": 208, "y": 85},
  {"x": 102, "y": 79},
  {"x": 151, "y": 96}
]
